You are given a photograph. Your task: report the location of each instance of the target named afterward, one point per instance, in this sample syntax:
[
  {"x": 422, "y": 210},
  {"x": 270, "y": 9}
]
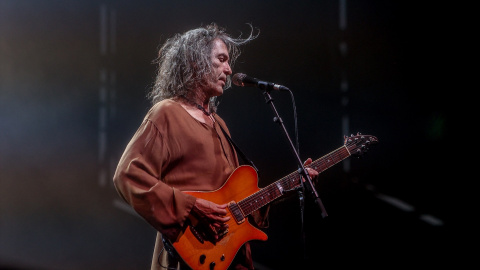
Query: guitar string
[
  {"x": 249, "y": 202},
  {"x": 335, "y": 156},
  {"x": 314, "y": 164}
]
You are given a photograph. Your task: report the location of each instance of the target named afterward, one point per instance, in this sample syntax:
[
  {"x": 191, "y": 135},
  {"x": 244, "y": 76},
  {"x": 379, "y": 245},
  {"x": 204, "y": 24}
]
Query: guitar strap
[{"x": 242, "y": 155}]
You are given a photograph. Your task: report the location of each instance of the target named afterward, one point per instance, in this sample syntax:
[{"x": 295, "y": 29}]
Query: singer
[{"x": 182, "y": 145}]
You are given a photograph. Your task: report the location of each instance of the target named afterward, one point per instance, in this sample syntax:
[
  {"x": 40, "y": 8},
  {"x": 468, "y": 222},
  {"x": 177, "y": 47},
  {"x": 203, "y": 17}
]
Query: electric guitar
[{"x": 243, "y": 196}]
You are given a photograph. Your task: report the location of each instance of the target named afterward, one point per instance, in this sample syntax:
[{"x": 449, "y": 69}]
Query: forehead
[{"x": 219, "y": 47}]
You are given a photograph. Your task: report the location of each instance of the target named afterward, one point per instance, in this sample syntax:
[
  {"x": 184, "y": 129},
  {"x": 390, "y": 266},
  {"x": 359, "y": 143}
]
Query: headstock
[{"x": 359, "y": 144}]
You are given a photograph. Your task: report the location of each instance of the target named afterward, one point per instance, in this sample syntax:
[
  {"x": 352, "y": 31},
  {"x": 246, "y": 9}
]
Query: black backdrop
[{"x": 73, "y": 81}]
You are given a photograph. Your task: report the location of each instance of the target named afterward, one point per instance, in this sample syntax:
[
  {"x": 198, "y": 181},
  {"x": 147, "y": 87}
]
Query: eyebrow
[{"x": 224, "y": 55}]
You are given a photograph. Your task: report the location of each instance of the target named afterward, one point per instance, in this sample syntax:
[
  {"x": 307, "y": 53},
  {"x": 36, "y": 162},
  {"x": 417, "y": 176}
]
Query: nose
[{"x": 228, "y": 70}]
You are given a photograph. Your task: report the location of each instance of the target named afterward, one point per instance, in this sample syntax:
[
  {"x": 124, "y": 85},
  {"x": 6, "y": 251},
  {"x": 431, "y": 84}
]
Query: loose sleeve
[{"x": 138, "y": 181}]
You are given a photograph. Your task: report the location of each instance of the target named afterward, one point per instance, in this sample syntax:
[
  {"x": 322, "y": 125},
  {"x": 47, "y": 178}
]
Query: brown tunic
[{"x": 171, "y": 151}]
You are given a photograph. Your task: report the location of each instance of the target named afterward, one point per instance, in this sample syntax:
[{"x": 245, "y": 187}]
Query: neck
[{"x": 202, "y": 107}]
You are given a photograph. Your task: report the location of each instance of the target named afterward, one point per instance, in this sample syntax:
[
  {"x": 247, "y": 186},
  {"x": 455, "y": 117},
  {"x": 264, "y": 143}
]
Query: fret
[
  {"x": 291, "y": 181},
  {"x": 192, "y": 245},
  {"x": 261, "y": 198},
  {"x": 330, "y": 159}
]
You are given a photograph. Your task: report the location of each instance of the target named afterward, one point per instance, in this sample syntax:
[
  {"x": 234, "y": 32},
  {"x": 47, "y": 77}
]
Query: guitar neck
[
  {"x": 289, "y": 182},
  {"x": 330, "y": 159}
]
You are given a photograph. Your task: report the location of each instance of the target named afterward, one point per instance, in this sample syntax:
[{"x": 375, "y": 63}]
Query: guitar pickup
[
  {"x": 197, "y": 234},
  {"x": 236, "y": 212}
]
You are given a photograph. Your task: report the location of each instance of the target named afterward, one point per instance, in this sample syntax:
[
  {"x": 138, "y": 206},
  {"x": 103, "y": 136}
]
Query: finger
[
  {"x": 218, "y": 213},
  {"x": 222, "y": 206},
  {"x": 220, "y": 226},
  {"x": 213, "y": 231},
  {"x": 313, "y": 173},
  {"x": 307, "y": 162},
  {"x": 221, "y": 209},
  {"x": 221, "y": 219},
  {"x": 217, "y": 230}
]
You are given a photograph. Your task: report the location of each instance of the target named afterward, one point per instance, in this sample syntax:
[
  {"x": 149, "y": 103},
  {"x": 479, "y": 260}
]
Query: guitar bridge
[{"x": 236, "y": 212}]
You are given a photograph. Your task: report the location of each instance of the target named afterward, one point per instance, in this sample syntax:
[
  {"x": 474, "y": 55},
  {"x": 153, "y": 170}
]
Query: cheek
[{"x": 218, "y": 72}]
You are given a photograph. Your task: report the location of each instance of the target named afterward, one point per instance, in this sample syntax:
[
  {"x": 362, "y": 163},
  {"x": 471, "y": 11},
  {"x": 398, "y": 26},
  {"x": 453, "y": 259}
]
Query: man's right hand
[{"x": 212, "y": 216}]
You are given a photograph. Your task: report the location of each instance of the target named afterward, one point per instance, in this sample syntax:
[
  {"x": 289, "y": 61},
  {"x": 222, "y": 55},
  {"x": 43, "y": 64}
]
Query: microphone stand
[{"x": 268, "y": 98}]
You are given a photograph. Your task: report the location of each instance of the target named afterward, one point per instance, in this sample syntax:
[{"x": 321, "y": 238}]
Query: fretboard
[{"x": 289, "y": 182}]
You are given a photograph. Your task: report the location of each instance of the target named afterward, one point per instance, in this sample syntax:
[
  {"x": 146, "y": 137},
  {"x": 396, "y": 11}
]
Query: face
[{"x": 221, "y": 68}]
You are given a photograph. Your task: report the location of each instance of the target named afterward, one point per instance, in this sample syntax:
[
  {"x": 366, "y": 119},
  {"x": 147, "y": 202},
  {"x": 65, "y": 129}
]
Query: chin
[{"x": 218, "y": 92}]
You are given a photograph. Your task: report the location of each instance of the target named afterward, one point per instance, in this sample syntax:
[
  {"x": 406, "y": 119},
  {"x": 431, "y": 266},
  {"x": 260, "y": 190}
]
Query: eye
[{"x": 222, "y": 58}]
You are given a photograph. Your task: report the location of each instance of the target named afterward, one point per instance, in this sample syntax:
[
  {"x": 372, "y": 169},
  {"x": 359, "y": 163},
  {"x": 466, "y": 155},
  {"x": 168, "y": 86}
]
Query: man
[{"x": 180, "y": 145}]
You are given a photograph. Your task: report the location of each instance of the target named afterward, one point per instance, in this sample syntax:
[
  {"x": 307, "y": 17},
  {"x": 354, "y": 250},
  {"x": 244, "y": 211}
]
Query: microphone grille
[{"x": 237, "y": 79}]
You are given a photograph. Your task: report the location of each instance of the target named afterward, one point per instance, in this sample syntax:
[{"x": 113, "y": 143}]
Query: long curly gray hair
[{"x": 184, "y": 62}]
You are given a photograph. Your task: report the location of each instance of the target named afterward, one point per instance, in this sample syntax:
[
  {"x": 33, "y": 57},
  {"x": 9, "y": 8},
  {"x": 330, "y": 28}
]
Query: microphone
[{"x": 240, "y": 79}]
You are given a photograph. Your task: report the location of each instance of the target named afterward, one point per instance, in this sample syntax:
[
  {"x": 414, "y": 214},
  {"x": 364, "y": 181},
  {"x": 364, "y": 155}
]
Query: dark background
[{"x": 73, "y": 82}]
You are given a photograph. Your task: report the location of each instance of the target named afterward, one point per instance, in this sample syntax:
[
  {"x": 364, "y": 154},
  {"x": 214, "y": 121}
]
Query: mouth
[{"x": 223, "y": 81}]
